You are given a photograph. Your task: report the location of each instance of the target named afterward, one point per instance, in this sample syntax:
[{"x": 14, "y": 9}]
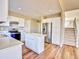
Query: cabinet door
[
  {"x": 16, "y": 19},
  {"x": 21, "y": 22},
  {"x": 22, "y": 36},
  {"x": 14, "y": 52},
  {"x": 30, "y": 42},
  {"x": 3, "y": 10},
  {"x": 12, "y": 18},
  {"x": 56, "y": 31},
  {"x": 34, "y": 43},
  {"x": 27, "y": 42}
]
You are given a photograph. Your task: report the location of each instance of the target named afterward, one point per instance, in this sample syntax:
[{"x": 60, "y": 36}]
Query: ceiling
[
  {"x": 36, "y": 8},
  {"x": 70, "y": 4}
]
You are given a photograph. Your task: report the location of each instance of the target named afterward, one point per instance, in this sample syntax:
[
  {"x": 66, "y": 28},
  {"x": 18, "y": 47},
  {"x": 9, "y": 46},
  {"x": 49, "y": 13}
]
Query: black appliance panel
[{"x": 15, "y": 34}]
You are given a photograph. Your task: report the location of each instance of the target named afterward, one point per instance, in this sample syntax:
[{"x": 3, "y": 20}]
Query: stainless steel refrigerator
[
  {"x": 47, "y": 30},
  {"x": 53, "y": 31}
]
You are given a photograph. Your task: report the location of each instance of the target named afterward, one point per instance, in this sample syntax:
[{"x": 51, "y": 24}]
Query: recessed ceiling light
[{"x": 19, "y": 8}]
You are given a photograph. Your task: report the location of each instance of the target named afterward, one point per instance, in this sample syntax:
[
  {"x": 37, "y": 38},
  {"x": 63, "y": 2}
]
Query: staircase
[{"x": 69, "y": 36}]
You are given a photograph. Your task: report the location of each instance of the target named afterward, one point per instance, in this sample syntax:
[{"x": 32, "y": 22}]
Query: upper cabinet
[
  {"x": 13, "y": 19},
  {"x": 19, "y": 21},
  {"x": 3, "y": 10}
]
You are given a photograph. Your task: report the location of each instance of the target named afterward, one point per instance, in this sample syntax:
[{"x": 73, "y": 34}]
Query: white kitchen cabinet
[
  {"x": 56, "y": 31},
  {"x": 3, "y": 10},
  {"x": 16, "y": 19},
  {"x": 35, "y": 42},
  {"x": 22, "y": 34},
  {"x": 10, "y": 48},
  {"x": 14, "y": 52}
]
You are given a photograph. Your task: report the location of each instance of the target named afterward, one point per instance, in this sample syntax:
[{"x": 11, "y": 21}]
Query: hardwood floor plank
[
  {"x": 25, "y": 50},
  {"x": 68, "y": 52},
  {"x": 59, "y": 54},
  {"x": 77, "y": 53},
  {"x": 30, "y": 55},
  {"x": 48, "y": 52},
  {"x": 53, "y": 52}
]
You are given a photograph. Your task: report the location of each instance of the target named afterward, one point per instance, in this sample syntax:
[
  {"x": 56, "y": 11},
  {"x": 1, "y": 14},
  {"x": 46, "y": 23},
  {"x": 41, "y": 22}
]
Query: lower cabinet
[
  {"x": 14, "y": 52},
  {"x": 35, "y": 43},
  {"x": 22, "y": 36}
]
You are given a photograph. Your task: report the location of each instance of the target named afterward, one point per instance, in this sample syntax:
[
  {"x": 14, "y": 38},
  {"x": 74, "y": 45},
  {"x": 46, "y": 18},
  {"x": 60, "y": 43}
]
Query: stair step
[
  {"x": 70, "y": 43},
  {"x": 69, "y": 36},
  {"x": 70, "y": 40}
]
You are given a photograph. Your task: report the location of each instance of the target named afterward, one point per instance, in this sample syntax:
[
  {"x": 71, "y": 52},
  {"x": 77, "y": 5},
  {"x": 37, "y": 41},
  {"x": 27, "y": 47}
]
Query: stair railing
[{"x": 76, "y": 32}]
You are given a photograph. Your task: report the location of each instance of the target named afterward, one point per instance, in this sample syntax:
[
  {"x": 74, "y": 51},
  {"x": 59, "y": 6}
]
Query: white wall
[
  {"x": 27, "y": 25},
  {"x": 70, "y": 16},
  {"x": 69, "y": 22},
  {"x": 73, "y": 13},
  {"x": 32, "y": 26},
  {"x": 77, "y": 24},
  {"x": 46, "y": 20},
  {"x": 35, "y": 26}
]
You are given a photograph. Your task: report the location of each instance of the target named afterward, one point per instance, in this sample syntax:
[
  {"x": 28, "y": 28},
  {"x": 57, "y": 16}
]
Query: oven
[{"x": 15, "y": 34}]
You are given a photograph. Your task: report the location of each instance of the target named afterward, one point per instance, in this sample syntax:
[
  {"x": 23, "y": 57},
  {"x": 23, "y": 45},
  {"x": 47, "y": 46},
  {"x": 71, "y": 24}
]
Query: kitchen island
[
  {"x": 10, "y": 48},
  {"x": 35, "y": 42}
]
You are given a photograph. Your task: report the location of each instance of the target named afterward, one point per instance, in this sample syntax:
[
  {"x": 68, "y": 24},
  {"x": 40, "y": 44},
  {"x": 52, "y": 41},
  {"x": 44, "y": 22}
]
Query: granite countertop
[{"x": 8, "y": 42}]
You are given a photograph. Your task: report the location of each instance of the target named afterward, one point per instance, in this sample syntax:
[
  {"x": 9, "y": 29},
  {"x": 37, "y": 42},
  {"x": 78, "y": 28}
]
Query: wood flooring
[{"x": 52, "y": 52}]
